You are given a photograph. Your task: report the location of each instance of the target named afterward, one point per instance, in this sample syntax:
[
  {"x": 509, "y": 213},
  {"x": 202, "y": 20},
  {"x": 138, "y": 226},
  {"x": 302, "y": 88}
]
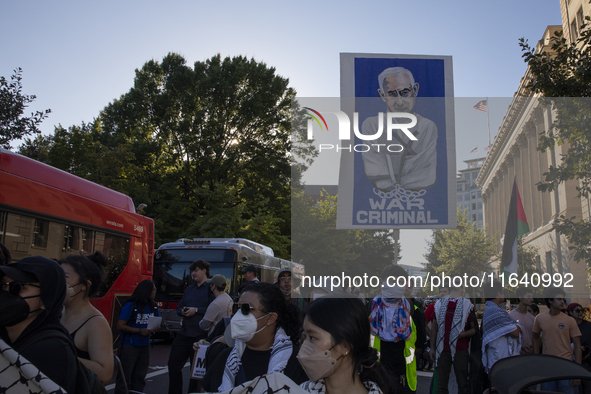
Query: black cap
[
  {"x": 14, "y": 273},
  {"x": 249, "y": 268}
]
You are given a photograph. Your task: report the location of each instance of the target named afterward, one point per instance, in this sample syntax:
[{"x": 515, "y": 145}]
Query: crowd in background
[{"x": 327, "y": 342}]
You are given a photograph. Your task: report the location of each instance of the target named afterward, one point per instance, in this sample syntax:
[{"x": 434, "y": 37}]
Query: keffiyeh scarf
[
  {"x": 280, "y": 354},
  {"x": 19, "y": 376},
  {"x": 319, "y": 387},
  {"x": 461, "y": 314},
  {"x": 400, "y": 326},
  {"x": 497, "y": 323}
]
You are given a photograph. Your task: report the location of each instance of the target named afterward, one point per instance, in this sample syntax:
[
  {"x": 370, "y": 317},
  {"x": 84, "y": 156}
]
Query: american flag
[
  {"x": 487, "y": 148},
  {"x": 482, "y": 105},
  {"x": 474, "y": 150}
]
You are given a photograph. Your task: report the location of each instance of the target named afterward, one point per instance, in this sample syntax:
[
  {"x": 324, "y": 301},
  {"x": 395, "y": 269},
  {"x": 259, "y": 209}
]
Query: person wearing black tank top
[{"x": 88, "y": 328}]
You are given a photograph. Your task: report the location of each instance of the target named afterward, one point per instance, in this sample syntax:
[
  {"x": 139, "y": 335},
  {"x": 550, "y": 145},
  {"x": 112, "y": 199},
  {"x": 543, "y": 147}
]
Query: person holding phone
[{"x": 192, "y": 308}]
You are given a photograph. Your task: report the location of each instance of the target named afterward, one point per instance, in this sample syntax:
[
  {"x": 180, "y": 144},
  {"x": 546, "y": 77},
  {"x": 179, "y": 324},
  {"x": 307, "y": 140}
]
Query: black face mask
[{"x": 13, "y": 309}]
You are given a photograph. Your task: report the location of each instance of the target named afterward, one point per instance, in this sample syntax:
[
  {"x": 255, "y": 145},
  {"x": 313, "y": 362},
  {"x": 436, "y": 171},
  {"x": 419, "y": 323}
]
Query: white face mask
[
  {"x": 392, "y": 291},
  {"x": 244, "y": 327}
]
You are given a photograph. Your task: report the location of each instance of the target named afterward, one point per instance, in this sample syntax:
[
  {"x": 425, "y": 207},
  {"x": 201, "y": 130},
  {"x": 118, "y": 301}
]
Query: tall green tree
[
  {"x": 13, "y": 103},
  {"x": 324, "y": 250},
  {"x": 464, "y": 250},
  {"x": 194, "y": 143},
  {"x": 563, "y": 76}
]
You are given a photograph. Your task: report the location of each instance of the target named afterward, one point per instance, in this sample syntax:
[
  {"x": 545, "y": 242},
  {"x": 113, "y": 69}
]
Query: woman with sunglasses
[
  {"x": 31, "y": 302},
  {"x": 336, "y": 354},
  {"x": 88, "y": 328},
  {"x": 265, "y": 330}
]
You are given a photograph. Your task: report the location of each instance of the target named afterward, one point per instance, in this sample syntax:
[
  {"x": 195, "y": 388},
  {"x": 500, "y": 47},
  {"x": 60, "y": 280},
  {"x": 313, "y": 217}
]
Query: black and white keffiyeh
[
  {"x": 280, "y": 354},
  {"x": 497, "y": 323},
  {"x": 19, "y": 376},
  {"x": 461, "y": 314},
  {"x": 319, "y": 387}
]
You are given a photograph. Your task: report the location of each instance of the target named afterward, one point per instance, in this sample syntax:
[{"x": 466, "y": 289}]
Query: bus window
[
  {"x": 190, "y": 255},
  {"x": 40, "y": 233},
  {"x": 226, "y": 269},
  {"x": 172, "y": 279},
  {"x": 29, "y": 236},
  {"x": 116, "y": 248}
]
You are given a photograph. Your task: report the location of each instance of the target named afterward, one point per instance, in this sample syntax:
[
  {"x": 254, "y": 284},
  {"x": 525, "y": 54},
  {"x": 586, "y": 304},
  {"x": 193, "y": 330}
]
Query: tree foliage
[
  {"x": 327, "y": 251},
  {"x": 563, "y": 76},
  {"x": 465, "y": 250},
  {"x": 205, "y": 147},
  {"x": 13, "y": 125},
  {"x": 526, "y": 259}
]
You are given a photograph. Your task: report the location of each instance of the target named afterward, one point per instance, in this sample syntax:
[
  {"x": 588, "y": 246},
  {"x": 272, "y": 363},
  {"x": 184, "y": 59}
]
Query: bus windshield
[
  {"x": 190, "y": 255},
  {"x": 171, "y": 269},
  {"x": 171, "y": 279}
]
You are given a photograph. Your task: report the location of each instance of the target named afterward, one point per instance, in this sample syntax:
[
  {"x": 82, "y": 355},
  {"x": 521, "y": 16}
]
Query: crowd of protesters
[{"x": 327, "y": 342}]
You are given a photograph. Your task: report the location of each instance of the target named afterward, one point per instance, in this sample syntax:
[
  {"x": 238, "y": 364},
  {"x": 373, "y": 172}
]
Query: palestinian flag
[{"x": 516, "y": 227}]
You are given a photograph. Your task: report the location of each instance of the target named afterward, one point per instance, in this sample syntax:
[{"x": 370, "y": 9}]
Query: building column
[
  {"x": 535, "y": 176},
  {"x": 527, "y": 181}
]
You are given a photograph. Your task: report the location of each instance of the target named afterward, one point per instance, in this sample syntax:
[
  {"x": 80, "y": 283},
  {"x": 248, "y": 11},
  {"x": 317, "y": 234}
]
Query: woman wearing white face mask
[
  {"x": 336, "y": 354},
  {"x": 265, "y": 330}
]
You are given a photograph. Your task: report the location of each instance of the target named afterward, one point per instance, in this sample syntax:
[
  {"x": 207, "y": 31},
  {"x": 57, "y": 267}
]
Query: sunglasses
[
  {"x": 246, "y": 308},
  {"x": 15, "y": 287}
]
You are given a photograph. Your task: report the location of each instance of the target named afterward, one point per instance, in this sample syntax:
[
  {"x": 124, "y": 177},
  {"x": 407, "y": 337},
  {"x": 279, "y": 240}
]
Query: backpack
[{"x": 86, "y": 381}]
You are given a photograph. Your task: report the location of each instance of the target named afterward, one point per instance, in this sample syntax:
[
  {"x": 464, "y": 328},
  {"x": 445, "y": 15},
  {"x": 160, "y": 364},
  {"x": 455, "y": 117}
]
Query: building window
[
  {"x": 460, "y": 187},
  {"x": 480, "y": 216},
  {"x": 479, "y": 204},
  {"x": 87, "y": 240},
  {"x": 549, "y": 267},
  {"x": 473, "y": 206},
  {"x": 580, "y": 19},
  {"x": 40, "y": 233},
  {"x": 474, "y": 217},
  {"x": 69, "y": 238},
  {"x": 574, "y": 30},
  {"x": 473, "y": 195}
]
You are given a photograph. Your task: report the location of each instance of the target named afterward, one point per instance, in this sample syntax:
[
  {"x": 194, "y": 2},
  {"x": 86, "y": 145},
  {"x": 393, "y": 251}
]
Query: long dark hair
[
  {"x": 273, "y": 301},
  {"x": 141, "y": 295},
  {"x": 89, "y": 268},
  {"x": 346, "y": 320}
]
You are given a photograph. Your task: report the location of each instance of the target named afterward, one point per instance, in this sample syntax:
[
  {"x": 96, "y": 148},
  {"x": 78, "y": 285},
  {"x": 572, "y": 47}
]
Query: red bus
[{"x": 46, "y": 211}]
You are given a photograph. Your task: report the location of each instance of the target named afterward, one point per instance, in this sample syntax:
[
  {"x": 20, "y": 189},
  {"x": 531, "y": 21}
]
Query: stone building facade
[{"x": 514, "y": 155}]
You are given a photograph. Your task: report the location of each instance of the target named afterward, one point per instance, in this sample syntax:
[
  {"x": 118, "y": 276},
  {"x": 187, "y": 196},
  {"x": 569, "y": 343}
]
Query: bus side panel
[
  {"x": 36, "y": 197},
  {"x": 39, "y": 199}
]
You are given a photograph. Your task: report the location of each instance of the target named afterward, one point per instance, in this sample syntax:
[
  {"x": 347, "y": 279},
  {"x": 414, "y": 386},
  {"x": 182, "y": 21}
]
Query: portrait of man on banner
[
  {"x": 414, "y": 168},
  {"x": 398, "y": 176}
]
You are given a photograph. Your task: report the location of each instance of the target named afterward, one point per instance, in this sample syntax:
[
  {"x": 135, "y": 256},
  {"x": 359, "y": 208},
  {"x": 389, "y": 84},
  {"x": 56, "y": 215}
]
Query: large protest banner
[{"x": 398, "y": 169}]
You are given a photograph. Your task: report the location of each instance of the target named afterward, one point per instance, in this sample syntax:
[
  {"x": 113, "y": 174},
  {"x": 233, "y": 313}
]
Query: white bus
[{"x": 227, "y": 256}]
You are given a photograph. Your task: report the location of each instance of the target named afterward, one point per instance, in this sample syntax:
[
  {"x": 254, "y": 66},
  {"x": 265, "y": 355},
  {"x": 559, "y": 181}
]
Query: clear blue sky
[{"x": 79, "y": 56}]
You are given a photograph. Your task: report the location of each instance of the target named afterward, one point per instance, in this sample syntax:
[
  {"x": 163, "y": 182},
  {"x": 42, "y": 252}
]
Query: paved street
[{"x": 157, "y": 378}]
